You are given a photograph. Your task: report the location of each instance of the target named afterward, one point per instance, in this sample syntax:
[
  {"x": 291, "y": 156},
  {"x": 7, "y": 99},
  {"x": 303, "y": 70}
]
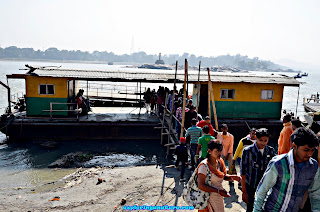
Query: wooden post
[
  {"x": 173, "y": 97},
  {"x": 213, "y": 102},
  {"x": 87, "y": 105},
  {"x": 74, "y": 87},
  {"x": 9, "y": 95},
  {"x": 297, "y": 102},
  {"x": 198, "y": 92},
  {"x": 184, "y": 96},
  {"x": 9, "y": 101},
  {"x": 87, "y": 89},
  {"x": 209, "y": 99},
  {"x": 187, "y": 86},
  {"x": 50, "y": 110},
  {"x": 140, "y": 100},
  {"x": 163, "y": 116},
  {"x": 77, "y": 111}
]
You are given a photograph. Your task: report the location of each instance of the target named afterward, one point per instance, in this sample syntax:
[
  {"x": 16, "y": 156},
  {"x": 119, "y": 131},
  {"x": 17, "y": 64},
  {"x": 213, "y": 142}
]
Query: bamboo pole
[
  {"x": 184, "y": 97},
  {"x": 173, "y": 97},
  {"x": 209, "y": 105},
  {"x": 187, "y": 86},
  {"x": 213, "y": 102},
  {"x": 163, "y": 115},
  {"x": 198, "y": 92}
]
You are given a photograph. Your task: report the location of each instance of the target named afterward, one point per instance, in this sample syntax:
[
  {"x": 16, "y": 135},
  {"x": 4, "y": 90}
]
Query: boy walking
[
  {"x": 203, "y": 143},
  {"x": 288, "y": 176},
  {"x": 195, "y": 133},
  {"x": 182, "y": 156},
  {"x": 254, "y": 162}
]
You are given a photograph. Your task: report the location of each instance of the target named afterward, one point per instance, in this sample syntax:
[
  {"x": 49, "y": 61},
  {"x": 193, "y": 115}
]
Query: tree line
[{"x": 237, "y": 61}]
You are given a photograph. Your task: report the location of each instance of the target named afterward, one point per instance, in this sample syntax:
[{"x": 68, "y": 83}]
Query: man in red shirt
[{"x": 207, "y": 122}]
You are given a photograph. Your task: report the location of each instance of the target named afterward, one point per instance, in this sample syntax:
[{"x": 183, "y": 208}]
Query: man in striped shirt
[
  {"x": 289, "y": 176},
  {"x": 195, "y": 133}
]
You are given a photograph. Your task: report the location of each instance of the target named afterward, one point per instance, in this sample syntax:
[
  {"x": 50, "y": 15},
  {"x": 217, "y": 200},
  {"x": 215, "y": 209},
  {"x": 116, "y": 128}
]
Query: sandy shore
[{"x": 140, "y": 186}]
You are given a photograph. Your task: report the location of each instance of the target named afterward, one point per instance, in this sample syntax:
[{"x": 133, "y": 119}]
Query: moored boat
[
  {"x": 51, "y": 113},
  {"x": 312, "y": 104}
]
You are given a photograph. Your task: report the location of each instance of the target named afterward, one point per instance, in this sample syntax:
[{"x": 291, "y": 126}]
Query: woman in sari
[{"x": 218, "y": 173}]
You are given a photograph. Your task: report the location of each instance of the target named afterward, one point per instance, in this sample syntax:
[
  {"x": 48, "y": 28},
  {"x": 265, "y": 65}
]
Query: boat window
[
  {"x": 227, "y": 94},
  {"x": 46, "y": 89},
  {"x": 266, "y": 94},
  {"x": 50, "y": 89},
  {"x": 42, "y": 89}
]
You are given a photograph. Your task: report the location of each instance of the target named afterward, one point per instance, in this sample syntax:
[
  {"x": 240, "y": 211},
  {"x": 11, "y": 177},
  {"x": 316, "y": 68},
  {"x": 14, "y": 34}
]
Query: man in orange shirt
[
  {"x": 226, "y": 139},
  {"x": 284, "y": 142}
]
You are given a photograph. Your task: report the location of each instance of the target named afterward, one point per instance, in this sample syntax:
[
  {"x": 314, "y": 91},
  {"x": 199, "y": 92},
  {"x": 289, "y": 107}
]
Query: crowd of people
[
  {"x": 270, "y": 180},
  {"x": 286, "y": 178},
  {"x": 282, "y": 179}
]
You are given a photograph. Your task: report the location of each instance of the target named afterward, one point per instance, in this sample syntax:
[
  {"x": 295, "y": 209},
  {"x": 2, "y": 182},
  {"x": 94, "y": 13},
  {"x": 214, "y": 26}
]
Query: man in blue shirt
[
  {"x": 254, "y": 162},
  {"x": 195, "y": 133},
  {"x": 289, "y": 175}
]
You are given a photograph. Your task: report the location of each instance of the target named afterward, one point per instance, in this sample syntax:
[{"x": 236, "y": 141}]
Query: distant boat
[
  {"x": 305, "y": 74},
  {"x": 298, "y": 76},
  {"x": 153, "y": 66},
  {"x": 110, "y": 63},
  {"x": 159, "y": 62}
]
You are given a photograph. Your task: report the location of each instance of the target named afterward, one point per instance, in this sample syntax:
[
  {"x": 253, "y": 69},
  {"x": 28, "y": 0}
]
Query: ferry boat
[
  {"x": 244, "y": 96},
  {"x": 239, "y": 97}
]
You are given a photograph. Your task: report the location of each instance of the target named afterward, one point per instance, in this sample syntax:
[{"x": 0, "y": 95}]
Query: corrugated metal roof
[{"x": 150, "y": 75}]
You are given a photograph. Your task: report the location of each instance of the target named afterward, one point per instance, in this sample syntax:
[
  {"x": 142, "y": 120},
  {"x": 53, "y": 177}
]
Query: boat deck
[
  {"x": 123, "y": 114},
  {"x": 116, "y": 123},
  {"x": 100, "y": 114},
  {"x": 101, "y": 123},
  {"x": 312, "y": 107}
]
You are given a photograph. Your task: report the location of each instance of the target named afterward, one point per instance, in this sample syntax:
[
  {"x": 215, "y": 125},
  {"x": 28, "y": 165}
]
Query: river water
[{"x": 25, "y": 165}]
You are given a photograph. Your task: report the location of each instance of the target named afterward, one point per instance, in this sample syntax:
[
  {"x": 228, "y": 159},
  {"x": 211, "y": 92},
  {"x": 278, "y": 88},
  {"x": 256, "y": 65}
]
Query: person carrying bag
[
  {"x": 192, "y": 195},
  {"x": 204, "y": 190}
]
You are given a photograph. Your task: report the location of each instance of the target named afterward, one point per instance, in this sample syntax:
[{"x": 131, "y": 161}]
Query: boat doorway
[{"x": 203, "y": 106}]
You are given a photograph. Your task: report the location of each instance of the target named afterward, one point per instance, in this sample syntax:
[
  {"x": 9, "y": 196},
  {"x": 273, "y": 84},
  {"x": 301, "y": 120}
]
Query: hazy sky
[{"x": 278, "y": 30}]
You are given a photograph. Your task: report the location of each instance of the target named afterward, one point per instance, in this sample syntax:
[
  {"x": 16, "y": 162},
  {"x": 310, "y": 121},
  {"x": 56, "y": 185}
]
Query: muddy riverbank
[{"x": 84, "y": 191}]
